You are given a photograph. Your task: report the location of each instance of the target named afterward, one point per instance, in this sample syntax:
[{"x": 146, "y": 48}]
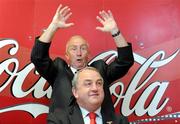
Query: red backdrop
[{"x": 148, "y": 93}]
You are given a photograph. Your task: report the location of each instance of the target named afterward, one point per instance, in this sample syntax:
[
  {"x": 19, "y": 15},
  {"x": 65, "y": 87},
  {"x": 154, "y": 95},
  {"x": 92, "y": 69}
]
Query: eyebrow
[
  {"x": 72, "y": 46},
  {"x": 76, "y": 45},
  {"x": 84, "y": 45},
  {"x": 89, "y": 80},
  {"x": 100, "y": 80}
]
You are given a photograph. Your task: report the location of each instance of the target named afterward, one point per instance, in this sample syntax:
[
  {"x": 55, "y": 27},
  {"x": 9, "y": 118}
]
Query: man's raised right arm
[{"x": 40, "y": 52}]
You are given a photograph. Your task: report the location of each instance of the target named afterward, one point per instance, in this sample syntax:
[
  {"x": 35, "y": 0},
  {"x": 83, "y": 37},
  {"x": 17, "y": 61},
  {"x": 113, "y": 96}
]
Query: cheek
[
  {"x": 70, "y": 57},
  {"x": 102, "y": 92},
  {"x": 85, "y": 52},
  {"x": 85, "y": 55}
]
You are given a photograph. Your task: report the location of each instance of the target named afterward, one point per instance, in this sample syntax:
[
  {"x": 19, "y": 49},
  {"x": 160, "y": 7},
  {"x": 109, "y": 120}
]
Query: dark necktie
[{"x": 92, "y": 117}]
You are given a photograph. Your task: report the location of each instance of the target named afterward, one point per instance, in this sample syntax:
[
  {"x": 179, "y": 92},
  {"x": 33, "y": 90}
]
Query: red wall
[{"x": 152, "y": 26}]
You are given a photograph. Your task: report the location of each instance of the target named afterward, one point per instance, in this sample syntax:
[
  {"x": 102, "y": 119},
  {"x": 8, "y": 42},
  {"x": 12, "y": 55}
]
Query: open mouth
[{"x": 79, "y": 60}]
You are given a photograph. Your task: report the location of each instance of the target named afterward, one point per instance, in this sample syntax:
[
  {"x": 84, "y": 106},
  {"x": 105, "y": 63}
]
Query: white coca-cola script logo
[{"x": 16, "y": 78}]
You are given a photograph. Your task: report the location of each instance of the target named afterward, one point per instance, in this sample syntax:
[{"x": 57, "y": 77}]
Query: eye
[
  {"x": 88, "y": 83},
  {"x": 99, "y": 83},
  {"x": 84, "y": 48},
  {"x": 73, "y": 48}
]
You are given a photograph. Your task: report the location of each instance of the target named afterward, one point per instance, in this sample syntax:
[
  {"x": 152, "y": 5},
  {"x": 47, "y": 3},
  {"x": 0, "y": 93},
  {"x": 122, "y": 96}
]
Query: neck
[
  {"x": 81, "y": 67},
  {"x": 90, "y": 108}
]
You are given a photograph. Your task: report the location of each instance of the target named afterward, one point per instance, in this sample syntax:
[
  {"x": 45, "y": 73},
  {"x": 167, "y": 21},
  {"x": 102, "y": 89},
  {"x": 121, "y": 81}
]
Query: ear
[
  {"x": 67, "y": 56},
  {"x": 74, "y": 92},
  {"x": 88, "y": 54}
]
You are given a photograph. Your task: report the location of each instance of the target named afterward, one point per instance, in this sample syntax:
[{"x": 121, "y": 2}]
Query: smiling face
[
  {"x": 77, "y": 51},
  {"x": 88, "y": 89}
]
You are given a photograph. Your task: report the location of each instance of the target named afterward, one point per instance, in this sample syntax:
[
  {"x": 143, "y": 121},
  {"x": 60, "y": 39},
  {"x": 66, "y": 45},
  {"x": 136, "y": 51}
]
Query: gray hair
[{"x": 76, "y": 76}]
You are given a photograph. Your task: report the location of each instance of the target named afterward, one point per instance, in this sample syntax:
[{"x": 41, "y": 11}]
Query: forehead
[
  {"x": 89, "y": 75},
  {"x": 77, "y": 41}
]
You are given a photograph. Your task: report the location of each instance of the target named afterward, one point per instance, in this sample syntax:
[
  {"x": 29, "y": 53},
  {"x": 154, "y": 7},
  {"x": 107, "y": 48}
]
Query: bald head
[
  {"x": 77, "y": 52},
  {"x": 76, "y": 39}
]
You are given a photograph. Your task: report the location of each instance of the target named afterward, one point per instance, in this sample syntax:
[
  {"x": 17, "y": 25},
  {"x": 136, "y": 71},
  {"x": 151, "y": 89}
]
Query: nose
[
  {"x": 79, "y": 52},
  {"x": 94, "y": 87}
]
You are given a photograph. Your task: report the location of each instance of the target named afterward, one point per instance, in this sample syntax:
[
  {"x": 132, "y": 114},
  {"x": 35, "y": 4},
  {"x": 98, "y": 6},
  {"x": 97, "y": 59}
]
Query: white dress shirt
[
  {"x": 73, "y": 70},
  {"x": 86, "y": 116}
]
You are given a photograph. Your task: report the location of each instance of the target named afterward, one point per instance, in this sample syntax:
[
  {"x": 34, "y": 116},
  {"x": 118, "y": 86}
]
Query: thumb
[
  {"x": 69, "y": 25},
  {"x": 100, "y": 29}
]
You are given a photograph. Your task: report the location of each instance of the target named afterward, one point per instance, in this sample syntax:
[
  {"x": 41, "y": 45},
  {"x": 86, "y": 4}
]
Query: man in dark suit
[
  {"x": 87, "y": 88},
  {"x": 59, "y": 74}
]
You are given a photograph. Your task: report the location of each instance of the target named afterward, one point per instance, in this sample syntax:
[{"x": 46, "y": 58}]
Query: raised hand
[
  {"x": 108, "y": 22},
  {"x": 61, "y": 16},
  {"x": 110, "y": 25},
  {"x": 59, "y": 21}
]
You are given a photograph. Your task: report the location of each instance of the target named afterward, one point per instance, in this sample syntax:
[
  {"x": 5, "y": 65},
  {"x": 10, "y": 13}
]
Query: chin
[
  {"x": 95, "y": 102},
  {"x": 80, "y": 66}
]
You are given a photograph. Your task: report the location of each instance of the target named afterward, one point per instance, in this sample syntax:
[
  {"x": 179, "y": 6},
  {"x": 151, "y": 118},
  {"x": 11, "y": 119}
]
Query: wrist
[
  {"x": 115, "y": 31},
  {"x": 115, "y": 34},
  {"x": 53, "y": 27}
]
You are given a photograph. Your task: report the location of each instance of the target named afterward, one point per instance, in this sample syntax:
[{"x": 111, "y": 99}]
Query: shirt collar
[
  {"x": 73, "y": 70},
  {"x": 86, "y": 112}
]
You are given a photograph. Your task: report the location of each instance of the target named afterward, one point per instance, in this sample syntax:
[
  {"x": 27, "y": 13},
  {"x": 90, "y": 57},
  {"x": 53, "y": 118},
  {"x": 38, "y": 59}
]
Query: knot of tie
[{"x": 92, "y": 117}]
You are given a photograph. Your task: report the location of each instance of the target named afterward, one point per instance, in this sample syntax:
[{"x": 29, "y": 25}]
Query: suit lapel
[
  {"x": 108, "y": 117},
  {"x": 75, "y": 115},
  {"x": 69, "y": 72}
]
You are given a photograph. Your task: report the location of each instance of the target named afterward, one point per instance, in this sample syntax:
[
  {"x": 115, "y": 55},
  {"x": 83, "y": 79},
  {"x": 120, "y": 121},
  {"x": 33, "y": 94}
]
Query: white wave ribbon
[
  {"x": 138, "y": 58},
  {"x": 34, "y": 109}
]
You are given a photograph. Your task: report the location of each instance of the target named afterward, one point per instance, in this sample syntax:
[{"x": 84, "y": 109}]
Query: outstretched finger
[
  {"x": 100, "y": 20},
  {"x": 67, "y": 16},
  {"x": 61, "y": 11},
  {"x": 59, "y": 8},
  {"x": 103, "y": 14},
  {"x": 110, "y": 13},
  {"x": 65, "y": 12}
]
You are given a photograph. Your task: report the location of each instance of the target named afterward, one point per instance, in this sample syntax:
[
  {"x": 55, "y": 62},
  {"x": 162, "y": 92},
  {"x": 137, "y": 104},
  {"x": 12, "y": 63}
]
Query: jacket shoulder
[{"x": 59, "y": 116}]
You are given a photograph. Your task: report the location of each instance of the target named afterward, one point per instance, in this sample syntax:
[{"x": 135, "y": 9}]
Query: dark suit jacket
[
  {"x": 59, "y": 75},
  {"x": 72, "y": 115}
]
